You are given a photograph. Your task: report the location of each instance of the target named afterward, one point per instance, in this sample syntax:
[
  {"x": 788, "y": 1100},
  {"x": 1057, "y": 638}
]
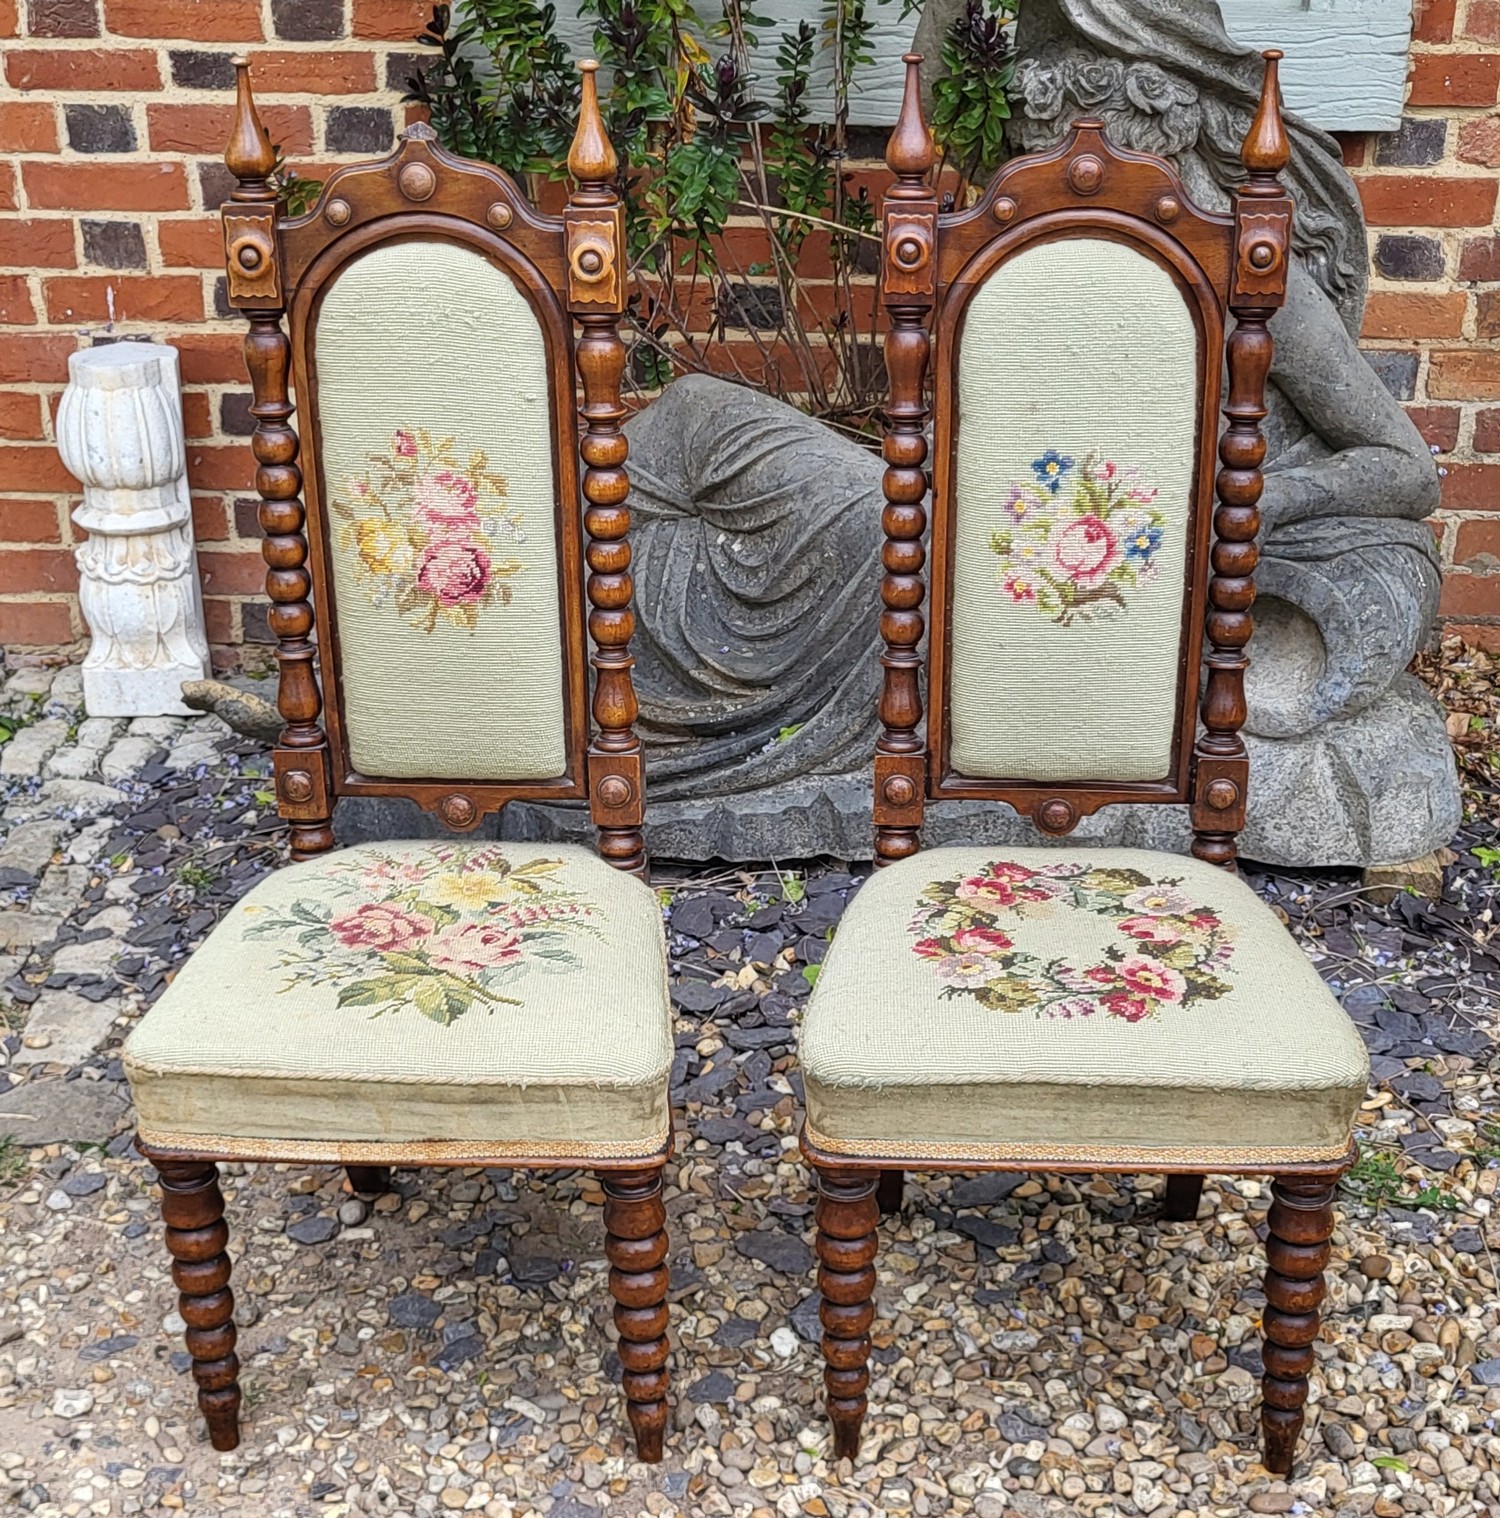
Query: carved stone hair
[{"x": 1167, "y": 79}]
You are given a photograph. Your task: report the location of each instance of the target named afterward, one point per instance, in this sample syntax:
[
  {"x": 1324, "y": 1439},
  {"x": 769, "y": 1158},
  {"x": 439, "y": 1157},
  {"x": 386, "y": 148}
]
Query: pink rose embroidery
[
  {"x": 454, "y": 573},
  {"x": 977, "y": 940},
  {"x": 1084, "y": 550},
  {"x": 446, "y": 504},
  {"x": 472, "y": 946},
  {"x": 1150, "y": 977},
  {"x": 980, "y": 937},
  {"x": 1130, "y": 1009},
  {"x": 375, "y": 925},
  {"x": 403, "y": 444}
]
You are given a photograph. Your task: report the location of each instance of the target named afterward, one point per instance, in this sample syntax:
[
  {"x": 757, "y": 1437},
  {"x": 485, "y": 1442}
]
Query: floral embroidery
[
  {"x": 427, "y": 532},
  {"x": 440, "y": 934},
  {"x": 1074, "y": 552},
  {"x": 1174, "y": 952}
]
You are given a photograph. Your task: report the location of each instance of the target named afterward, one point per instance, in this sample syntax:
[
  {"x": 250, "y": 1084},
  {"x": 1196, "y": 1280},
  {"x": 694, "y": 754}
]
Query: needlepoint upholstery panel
[
  {"x": 1034, "y": 1002},
  {"x": 1077, "y": 399},
  {"x": 436, "y": 450},
  {"x": 410, "y": 992}
]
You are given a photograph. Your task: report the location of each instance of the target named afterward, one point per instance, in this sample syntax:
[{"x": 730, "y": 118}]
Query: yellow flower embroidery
[
  {"x": 382, "y": 546},
  {"x": 468, "y": 889}
]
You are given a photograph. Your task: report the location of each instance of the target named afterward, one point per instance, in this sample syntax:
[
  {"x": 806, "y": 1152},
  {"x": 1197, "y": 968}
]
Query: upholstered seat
[
  {"x": 434, "y": 999},
  {"x": 1108, "y": 1004}
]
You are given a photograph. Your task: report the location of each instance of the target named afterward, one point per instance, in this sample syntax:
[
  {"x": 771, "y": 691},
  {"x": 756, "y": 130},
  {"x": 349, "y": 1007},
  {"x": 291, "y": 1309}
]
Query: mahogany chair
[
  {"x": 432, "y": 1003},
  {"x": 1068, "y": 1008}
]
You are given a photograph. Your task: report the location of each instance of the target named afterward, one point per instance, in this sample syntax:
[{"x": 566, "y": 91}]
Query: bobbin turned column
[
  {"x": 193, "y": 1209},
  {"x": 1301, "y": 1225},
  {"x": 635, "y": 1241},
  {"x": 848, "y": 1215}
]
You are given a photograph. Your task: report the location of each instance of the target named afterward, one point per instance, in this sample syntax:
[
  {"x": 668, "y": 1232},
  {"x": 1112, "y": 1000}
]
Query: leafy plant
[
  {"x": 725, "y": 184},
  {"x": 14, "y": 1164},
  {"x": 969, "y": 102},
  {"x": 1375, "y": 1178}
]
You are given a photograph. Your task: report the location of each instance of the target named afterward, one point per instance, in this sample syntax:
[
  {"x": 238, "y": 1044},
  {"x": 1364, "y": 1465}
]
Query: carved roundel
[
  {"x": 899, "y": 790},
  {"x": 458, "y": 811},
  {"x": 1222, "y": 794},
  {"x": 1086, "y": 174},
  {"x": 1168, "y": 208},
  {"x": 1004, "y": 209},
  {"x": 296, "y": 785},
  {"x": 615, "y": 790},
  {"x": 417, "y": 181},
  {"x": 908, "y": 252},
  {"x": 338, "y": 212},
  {"x": 1057, "y": 815},
  {"x": 499, "y": 216},
  {"x": 590, "y": 259},
  {"x": 250, "y": 252}
]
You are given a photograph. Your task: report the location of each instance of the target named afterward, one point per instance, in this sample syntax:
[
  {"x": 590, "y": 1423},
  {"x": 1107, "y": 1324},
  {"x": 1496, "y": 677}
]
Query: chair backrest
[
  {"x": 1075, "y": 323},
  {"x": 436, "y": 574}
]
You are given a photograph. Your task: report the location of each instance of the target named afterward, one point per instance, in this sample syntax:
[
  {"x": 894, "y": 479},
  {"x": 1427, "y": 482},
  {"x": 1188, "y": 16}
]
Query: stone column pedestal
[{"x": 119, "y": 429}]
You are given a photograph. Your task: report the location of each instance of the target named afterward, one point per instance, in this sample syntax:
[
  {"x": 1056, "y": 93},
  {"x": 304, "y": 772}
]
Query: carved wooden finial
[
  {"x": 249, "y": 153},
  {"x": 1266, "y": 149},
  {"x": 909, "y": 153},
  {"x": 591, "y": 159}
]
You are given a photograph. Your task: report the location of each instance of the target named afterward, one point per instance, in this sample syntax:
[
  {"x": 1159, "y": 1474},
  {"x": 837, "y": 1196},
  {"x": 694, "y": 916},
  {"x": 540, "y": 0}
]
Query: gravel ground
[{"x": 1044, "y": 1346}]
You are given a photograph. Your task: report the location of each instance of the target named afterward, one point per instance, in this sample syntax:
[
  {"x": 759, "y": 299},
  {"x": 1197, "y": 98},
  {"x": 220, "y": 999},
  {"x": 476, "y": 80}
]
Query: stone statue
[
  {"x": 119, "y": 429},
  {"x": 758, "y": 534}
]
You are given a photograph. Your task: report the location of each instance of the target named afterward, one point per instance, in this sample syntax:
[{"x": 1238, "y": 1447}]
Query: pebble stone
[{"x": 1043, "y": 1346}]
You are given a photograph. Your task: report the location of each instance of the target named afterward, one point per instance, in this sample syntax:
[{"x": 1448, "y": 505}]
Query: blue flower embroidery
[
  {"x": 1142, "y": 543},
  {"x": 1050, "y": 469}
]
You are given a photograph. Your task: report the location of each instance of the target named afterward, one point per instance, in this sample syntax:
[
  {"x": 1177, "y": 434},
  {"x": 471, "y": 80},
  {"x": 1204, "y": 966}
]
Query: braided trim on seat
[{"x": 1145, "y": 1155}]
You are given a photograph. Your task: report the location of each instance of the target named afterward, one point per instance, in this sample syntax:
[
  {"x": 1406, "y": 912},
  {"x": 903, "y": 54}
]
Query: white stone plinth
[{"x": 119, "y": 429}]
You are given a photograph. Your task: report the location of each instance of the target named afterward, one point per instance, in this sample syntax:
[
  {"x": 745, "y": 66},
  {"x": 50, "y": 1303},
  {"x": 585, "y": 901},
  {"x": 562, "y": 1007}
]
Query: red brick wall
[
  {"x": 112, "y": 118},
  {"x": 1433, "y": 322},
  {"x": 113, "y": 115}
]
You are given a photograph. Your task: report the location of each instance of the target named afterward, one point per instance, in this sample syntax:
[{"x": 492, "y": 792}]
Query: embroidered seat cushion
[
  {"x": 440, "y": 998},
  {"x": 1106, "y": 1004}
]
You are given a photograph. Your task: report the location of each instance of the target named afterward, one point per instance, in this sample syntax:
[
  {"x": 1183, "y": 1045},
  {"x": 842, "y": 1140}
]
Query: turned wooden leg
[
  {"x": 1301, "y": 1224},
  {"x": 636, "y": 1243},
  {"x": 848, "y": 1216},
  {"x": 1184, "y": 1192},
  {"x": 373, "y": 1180},
  {"x": 892, "y": 1191},
  {"x": 193, "y": 1210}
]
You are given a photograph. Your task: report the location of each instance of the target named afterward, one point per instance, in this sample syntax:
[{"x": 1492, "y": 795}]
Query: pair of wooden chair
[{"x": 1005, "y": 1009}]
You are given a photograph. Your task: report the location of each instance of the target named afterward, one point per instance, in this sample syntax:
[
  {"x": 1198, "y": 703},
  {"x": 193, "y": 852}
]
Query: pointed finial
[
  {"x": 909, "y": 152},
  {"x": 591, "y": 159},
  {"x": 1266, "y": 149},
  {"x": 249, "y": 154}
]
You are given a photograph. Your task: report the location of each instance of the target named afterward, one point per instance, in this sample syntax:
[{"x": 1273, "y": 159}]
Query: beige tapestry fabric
[
  {"x": 436, "y": 440},
  {"x": 1077, "y": 411},
  {"x": 1088, "y": 1002},
  {"x": 414, "y": 992}
]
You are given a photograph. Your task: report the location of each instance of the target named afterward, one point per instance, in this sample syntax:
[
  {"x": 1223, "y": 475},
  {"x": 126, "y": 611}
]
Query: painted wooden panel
[{"x": 1345, "y": 67}]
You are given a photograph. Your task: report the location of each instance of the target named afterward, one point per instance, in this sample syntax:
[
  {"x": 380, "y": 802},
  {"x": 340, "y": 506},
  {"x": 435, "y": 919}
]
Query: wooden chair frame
[
  {"x": 932, "y": 263},
  {"x": 571, "y": 270}
]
